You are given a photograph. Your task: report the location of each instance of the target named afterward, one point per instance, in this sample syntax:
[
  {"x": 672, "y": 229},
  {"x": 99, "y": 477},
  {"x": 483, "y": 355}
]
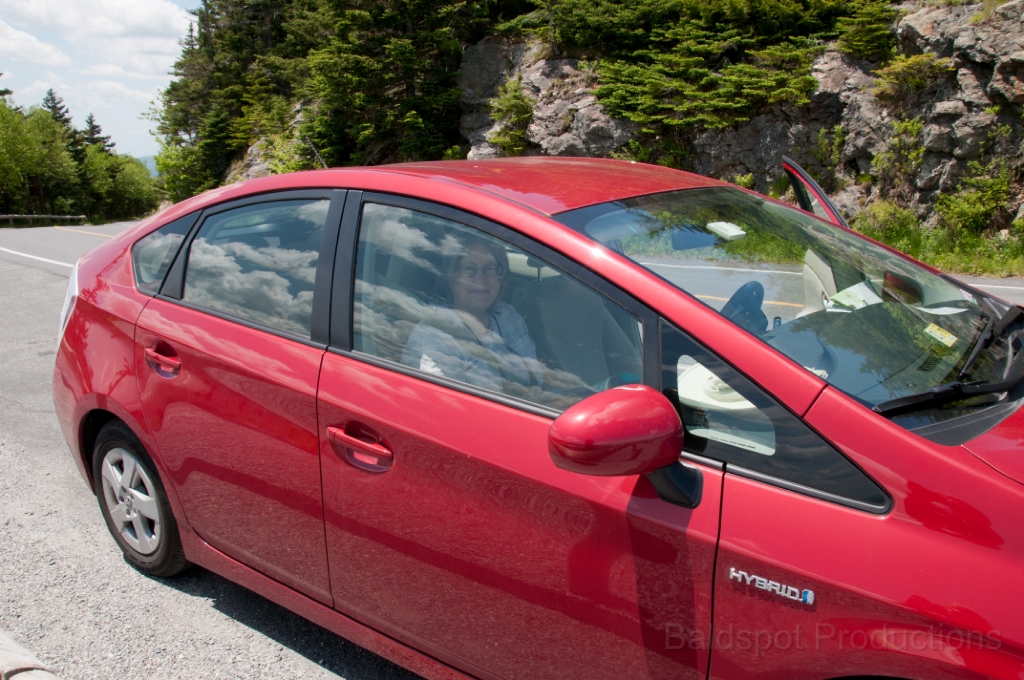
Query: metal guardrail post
[{"x": 10, "y": 218}]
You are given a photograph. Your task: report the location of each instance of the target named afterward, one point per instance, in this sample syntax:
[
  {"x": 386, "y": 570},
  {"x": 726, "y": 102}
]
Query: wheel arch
[{"x": 92, "y": 423}]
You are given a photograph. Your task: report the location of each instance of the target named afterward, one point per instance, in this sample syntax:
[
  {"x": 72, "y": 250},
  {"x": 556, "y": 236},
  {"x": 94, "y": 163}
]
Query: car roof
[{"x": 555, "y": 184}]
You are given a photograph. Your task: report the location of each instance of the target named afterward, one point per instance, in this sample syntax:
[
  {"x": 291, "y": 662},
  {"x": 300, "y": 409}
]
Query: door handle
[
  {"x": 369, "y": 456},
  {"x": 162, "y": 364}
]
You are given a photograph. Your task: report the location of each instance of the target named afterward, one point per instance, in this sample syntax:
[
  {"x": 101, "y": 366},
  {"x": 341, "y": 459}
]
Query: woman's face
[{"x": 473, "y": 290}]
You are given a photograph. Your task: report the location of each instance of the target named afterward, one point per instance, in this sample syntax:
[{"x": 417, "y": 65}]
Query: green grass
[{"x": 999, "y": 253}]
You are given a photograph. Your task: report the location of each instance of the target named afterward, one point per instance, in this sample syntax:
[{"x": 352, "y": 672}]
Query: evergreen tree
[
  {"x": 870, "y": 32},
  {"x": 93, "y": 135},
  {"x": 4, "y": 92},
  {"x": 61, "y": 115},
  {"x": 55, "y": 105}
]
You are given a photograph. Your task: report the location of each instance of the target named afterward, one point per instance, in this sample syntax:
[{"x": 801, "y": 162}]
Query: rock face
[
  {"x": 250, "y": 166},
  {"x": 567, "y": 120},
  {"x": 959, "y": 112}
]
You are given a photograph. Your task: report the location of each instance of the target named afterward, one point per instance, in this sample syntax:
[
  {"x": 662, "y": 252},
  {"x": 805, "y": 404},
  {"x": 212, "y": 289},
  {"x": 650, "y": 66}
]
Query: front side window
[
  {"x": 728, "y": 418},
  {"x": 874, "y": 325},
  {"x": 454, "y": 302},
  {"x": 258, "y": 263}
]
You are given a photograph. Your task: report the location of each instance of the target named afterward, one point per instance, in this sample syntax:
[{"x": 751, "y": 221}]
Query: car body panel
[
  {"x": 237, "y": 433},
  {"x": 202, "y": 554},
  {"x": 467, "y": 556},
  {"x": 472, "y": 542},
  {"x": 1002, "y": 447}
]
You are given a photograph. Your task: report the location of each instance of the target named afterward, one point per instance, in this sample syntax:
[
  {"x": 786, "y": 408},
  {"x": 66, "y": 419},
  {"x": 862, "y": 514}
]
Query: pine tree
[
  {"x": 4, "y": 92},
  {"x": 55, "y": 105},
  {"x": 93, "y": 135},
  {"x": 60, "y": 114}
]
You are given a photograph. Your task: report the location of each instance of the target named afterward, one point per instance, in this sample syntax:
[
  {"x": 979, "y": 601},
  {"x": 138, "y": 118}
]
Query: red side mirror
[{"x": 628, "y": 430}]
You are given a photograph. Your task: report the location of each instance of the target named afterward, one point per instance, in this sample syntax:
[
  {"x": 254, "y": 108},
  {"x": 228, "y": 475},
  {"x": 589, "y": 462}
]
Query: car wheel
[{"x": 134, "y": 504}]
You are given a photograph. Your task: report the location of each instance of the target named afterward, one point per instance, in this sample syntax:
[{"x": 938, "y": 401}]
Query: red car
[{"x": 560, "y": 418}]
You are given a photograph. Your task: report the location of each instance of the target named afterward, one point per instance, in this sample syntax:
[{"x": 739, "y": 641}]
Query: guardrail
[{"x": 10, "y": 218}]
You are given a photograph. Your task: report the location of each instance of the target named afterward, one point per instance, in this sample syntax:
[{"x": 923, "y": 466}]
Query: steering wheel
[{"x": 744, "y": 308}]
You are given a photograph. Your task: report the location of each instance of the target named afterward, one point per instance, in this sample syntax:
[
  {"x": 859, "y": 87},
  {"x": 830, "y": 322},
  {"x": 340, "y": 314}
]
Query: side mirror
[{"x": 628, "y": 430}]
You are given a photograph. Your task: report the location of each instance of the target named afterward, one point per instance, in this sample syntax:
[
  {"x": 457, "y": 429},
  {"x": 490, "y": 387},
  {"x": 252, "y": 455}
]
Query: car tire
[{"x": 134, "y": 504}]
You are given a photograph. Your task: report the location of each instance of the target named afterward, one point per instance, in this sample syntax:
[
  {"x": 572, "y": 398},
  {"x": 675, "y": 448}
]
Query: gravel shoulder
[{"x": 65, "y": 592}]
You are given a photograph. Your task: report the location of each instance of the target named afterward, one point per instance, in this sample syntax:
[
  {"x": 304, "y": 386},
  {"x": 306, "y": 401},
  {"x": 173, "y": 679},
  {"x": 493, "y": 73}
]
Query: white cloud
[
  {"x": 148, "y": 18},
  {"x": 108, "y": 57},
  {"x": 24, "y": 47}
]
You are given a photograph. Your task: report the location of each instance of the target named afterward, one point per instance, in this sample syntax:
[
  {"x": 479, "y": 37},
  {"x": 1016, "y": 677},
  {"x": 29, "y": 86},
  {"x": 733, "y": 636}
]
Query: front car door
[
  {"x": 448, "y": 526},
  {"x": 228, "y": 360}
]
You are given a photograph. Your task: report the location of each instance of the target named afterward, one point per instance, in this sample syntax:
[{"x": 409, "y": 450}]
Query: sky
[{"x": 110, "y": 58}]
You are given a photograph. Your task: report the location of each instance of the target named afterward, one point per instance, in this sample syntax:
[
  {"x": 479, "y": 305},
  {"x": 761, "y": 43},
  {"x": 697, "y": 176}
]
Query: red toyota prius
[{"x": 560, "y": 418}]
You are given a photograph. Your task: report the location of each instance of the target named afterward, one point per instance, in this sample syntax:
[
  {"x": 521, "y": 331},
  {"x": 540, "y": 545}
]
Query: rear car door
[
  {"x": 448, "y": 526},
  {"x": 228, "y": 356}
]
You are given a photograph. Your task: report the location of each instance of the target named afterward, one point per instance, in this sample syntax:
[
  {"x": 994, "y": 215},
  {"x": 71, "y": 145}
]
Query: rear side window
[
  {"x": 454, "y": 302},
  {"x": 258, "y": 263},
  {"x": 152, "y": 255}
]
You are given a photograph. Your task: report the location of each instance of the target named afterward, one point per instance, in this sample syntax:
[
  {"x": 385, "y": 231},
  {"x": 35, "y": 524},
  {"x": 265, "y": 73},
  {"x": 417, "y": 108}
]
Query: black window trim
[
  {"x": 740, "y": 471},
  {"x": 342, "y": 298},
  {"x": 173, "y": 286}
]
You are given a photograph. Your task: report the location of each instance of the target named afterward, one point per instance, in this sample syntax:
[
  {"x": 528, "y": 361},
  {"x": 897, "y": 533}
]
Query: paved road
[{"x": 65, "y": 591}]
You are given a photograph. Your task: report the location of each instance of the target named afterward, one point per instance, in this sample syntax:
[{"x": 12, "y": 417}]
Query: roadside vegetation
[
  {"x": 48, "y": 166},
  {"x": 374, "y": 81}
]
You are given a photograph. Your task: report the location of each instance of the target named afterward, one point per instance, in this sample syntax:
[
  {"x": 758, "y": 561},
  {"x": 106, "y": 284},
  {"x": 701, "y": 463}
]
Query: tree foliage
[
  {"x": 513, "y": 110},
  {"x": 901, "y": 83},
  {"x": 47, "y": 166},
  {"x": 869, "y": 33}
]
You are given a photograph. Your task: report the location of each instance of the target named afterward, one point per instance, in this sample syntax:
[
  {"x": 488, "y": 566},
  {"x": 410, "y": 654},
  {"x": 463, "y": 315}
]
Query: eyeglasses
[{"x": 470, "y": 272}]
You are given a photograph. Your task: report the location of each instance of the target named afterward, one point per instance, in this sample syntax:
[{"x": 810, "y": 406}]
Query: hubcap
[{"x": 130, "y": 496}]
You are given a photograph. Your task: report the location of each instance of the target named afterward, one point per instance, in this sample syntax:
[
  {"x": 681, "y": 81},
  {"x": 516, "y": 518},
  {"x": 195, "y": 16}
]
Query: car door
[
  {"x": 811, "y": 197},
  {"x": 228, "y": 357},
  {"x": 796, "y": 514},
  {"x": 448, "y": 526}
]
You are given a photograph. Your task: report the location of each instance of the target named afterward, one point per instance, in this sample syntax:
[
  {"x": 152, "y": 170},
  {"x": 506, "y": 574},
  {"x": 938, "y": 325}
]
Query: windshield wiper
[
  {"x": 993, "y": 329},
  {"x": 954, "y": 391}
]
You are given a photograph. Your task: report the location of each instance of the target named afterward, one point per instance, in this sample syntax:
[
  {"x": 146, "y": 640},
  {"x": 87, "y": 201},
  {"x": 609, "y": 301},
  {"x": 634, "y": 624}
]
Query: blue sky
[{"x": 110, "y": 58}]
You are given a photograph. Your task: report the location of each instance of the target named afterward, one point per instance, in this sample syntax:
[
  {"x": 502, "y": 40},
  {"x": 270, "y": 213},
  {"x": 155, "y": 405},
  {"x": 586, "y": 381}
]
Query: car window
[
  {"x": 874, "y": 325},
  {"x": 454, "y": 302},
  {"x": 153, "y": 254},
  {"x": 258, "y": 262},
  {"x": 728, "y": 418}
]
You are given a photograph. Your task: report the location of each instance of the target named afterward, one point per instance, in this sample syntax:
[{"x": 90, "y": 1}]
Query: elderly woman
[{"x": 478, "y": 339}]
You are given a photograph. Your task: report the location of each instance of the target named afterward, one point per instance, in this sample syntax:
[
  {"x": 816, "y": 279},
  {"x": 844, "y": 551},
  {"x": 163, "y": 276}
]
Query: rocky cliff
[{"x": 982, "y": 88}]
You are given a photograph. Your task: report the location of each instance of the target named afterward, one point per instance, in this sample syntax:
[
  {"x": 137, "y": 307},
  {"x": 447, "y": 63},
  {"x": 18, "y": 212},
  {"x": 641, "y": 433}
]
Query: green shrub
[
  {"x": 896, "y": 167},
  {"x": 900, "y": 83},
  {"x": 869, "y": 34},
  {"x": 892, "y": 225},
  {"x": 745, "y": 181},
  {"x": 514, "y": 111},
  {"x": 988, "y": 8},
  {"x": 829, "y": 152},
  {"x": 980, "y": 201},
  {"x": 664, "y": 151}
]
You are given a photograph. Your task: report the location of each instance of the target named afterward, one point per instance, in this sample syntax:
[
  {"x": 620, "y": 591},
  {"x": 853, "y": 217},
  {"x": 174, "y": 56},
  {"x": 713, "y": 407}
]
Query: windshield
[{"x": 871, "y": 323}]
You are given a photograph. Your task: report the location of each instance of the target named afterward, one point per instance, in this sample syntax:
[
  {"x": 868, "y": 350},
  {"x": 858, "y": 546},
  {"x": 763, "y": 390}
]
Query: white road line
[
  {"x": 34, "y": 257},
  {"x": 723, "y": 269}
]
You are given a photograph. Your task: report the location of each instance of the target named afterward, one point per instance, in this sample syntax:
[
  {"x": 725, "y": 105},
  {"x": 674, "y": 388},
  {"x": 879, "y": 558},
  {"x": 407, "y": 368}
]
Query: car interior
[{"x": 577, "y": 331}]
